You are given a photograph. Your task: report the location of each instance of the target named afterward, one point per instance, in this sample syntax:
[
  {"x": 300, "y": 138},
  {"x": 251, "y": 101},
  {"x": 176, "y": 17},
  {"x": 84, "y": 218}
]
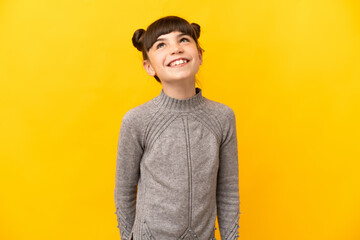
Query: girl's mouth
[{"x": 178, "y": 63}]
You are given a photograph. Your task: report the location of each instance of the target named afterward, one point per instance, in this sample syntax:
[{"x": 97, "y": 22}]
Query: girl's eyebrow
[{"x": 179, "y": 35}]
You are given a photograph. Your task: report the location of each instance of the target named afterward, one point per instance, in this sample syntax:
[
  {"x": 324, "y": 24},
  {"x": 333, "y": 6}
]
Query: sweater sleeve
[
  {"x": 129, "y": 153},
  {"x": 227, "y": 195}
]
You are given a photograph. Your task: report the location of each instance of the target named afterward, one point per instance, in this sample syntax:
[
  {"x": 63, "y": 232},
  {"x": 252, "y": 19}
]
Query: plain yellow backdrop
[{"x": 290, "y": 69}]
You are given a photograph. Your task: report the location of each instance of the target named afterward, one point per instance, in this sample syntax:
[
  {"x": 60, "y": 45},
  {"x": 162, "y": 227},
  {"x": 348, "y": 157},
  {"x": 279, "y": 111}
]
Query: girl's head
[{"x": 178, "y": 39}]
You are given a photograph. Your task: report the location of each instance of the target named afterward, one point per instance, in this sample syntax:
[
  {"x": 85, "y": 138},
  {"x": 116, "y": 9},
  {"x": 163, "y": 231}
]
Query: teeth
[{"x": 177, "y": 62}]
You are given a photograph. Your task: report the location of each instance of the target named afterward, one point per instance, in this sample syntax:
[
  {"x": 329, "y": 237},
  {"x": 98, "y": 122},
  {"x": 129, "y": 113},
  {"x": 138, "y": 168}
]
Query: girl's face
[{"x": 173, "y": 57}]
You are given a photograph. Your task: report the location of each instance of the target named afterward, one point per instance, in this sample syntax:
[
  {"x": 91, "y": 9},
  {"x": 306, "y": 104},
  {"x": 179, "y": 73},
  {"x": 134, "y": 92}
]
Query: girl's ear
[
  {"x": 148, "y": 68},
  {"x": 201, "y": 56}
]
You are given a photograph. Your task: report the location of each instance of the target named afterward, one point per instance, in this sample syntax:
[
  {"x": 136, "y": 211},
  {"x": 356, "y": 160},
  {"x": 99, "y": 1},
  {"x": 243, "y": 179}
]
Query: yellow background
[{"x": 289, "y": 69}]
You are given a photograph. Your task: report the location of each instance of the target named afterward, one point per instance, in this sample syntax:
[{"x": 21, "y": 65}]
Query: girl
[{"x": 177, "y": 162}]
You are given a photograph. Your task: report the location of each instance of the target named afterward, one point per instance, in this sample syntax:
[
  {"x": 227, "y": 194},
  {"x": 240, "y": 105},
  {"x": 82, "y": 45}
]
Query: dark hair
[{"x": 143, "y": 40}]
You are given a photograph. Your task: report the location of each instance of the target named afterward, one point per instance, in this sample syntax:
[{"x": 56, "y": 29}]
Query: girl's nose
[{"x": 176, "y": 49}]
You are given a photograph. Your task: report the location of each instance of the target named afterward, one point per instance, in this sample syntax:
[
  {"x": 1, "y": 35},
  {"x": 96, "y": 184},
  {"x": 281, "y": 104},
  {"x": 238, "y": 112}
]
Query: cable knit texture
[{"x": 176, "y": 170}]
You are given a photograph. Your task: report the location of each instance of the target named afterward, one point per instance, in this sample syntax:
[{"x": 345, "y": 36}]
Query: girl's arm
[
  {"x": 129, "y": 154},
  {"x": 227, "y": 181}
]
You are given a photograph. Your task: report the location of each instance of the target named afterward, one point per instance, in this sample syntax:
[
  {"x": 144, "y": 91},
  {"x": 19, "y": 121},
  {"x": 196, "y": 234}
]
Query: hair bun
[
  {"x": 196, "y": 27},
  {"x": 137, "y": 39}
]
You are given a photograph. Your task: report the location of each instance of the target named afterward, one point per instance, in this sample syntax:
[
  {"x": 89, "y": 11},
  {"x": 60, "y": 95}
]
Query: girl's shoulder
[
  {"x": 224, "y": 115},
  {"x": 139, "y": 113},
  {"x": 221, "y": 110},
  {"x": 139, "y": 116}
]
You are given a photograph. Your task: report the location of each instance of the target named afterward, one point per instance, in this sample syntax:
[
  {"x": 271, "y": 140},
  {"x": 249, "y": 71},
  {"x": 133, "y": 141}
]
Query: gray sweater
[{"x": 176, "y": 170}]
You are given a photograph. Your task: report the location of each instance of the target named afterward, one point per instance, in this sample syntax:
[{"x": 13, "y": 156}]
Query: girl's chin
[
  {"x": 180, "y": 75},
  {"x": 178, "y": 80}
]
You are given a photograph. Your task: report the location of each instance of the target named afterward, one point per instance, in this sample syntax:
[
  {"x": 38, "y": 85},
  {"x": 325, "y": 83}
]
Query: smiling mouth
[{"x": 178, "y": 63}]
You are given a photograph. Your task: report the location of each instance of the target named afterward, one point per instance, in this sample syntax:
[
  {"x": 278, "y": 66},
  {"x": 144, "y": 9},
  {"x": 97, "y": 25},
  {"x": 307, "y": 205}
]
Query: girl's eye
[
  {"x": 160, "y": 45},
  {"x": 184, "y": 39}
]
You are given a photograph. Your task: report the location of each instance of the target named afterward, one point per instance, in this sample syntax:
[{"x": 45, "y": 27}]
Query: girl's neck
[{"x": 179, "y": 91}]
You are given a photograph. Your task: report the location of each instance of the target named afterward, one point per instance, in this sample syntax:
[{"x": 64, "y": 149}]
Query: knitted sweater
[{"x": 176, "y": 170}]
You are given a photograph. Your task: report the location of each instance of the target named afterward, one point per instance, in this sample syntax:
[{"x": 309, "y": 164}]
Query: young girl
[{"x": 177, "y": 162}]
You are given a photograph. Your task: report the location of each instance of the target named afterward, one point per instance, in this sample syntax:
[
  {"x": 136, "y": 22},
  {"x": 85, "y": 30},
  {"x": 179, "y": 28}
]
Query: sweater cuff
[
  {"x": 233, "y": 230},
  {"x": 123, "y": 225}
]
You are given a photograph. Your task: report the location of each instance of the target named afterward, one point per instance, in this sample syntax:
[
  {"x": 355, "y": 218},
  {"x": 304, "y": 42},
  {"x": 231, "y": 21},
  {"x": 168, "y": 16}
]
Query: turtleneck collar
[{"x": 188, "y": 104}]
